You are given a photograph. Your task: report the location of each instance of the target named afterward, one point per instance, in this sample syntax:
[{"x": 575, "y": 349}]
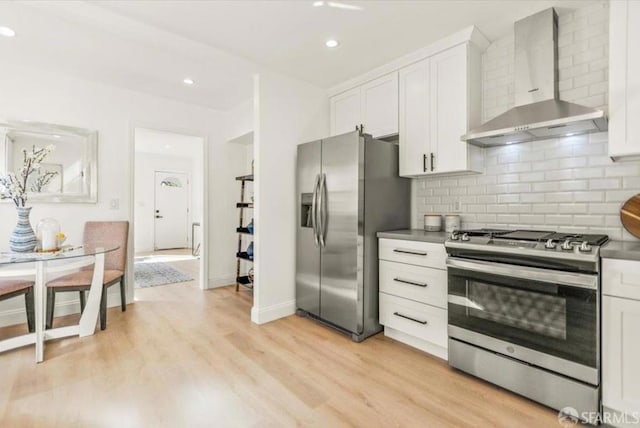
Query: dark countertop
[
  {"x": 622, "y": 250},
  {"x": 415, "y": 235}
]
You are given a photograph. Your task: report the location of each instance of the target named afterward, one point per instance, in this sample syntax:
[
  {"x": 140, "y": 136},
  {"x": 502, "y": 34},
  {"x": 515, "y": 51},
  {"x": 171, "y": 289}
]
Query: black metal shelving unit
[{"x": 243, "y": 232}]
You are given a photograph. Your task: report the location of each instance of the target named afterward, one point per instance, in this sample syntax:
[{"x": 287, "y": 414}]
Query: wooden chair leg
[
  {"x": 51, "y": 303},
  {"x": 103, "y": 309},
  {"x": 29, "y": 305},
  {"x": 82, "y": 301},
  {"x": 123, "y": 296}
]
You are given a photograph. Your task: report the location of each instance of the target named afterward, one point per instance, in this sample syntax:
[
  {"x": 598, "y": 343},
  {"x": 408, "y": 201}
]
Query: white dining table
[{"x": 38, "y": 266}]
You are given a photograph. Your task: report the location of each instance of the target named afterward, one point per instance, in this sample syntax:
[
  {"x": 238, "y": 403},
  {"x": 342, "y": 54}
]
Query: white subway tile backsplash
[
  {"x": 588, "y": 220},
  {"x": 572, "y": 208},
  {"x": 582, "y": 193},
  {"x": 508, "y": 199},
  {"x": 588, "y": 196},
  {"x": 605, "y": 183}
]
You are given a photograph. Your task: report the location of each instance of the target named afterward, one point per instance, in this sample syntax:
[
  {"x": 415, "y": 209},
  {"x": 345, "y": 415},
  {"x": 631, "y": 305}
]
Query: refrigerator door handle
[
  {"x": 321, "y": 207},
  {"x": 314, "y": 210}
]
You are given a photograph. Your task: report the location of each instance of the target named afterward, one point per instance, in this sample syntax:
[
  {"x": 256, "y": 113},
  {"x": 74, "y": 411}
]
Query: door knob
[{"x": 159, "y": 216}]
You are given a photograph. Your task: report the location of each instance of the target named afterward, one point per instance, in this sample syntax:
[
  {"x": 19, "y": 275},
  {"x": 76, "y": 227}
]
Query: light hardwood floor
[{"x": 181, "y": 357}]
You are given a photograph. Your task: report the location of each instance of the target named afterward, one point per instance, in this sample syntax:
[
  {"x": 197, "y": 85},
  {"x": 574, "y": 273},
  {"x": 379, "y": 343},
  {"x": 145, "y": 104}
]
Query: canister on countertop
[
  {"x": 433, "y": 222},
  {"x": 452, "y": 222}
]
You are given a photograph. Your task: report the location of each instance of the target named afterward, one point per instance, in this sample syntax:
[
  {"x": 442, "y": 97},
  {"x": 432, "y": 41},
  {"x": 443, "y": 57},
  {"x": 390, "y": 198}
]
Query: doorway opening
[{"x": 168, "y": 210}]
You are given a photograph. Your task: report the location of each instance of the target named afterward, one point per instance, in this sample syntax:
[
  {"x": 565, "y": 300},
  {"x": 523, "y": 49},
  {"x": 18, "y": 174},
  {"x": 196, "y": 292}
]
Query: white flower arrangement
[{"x": 14, "y": 186}]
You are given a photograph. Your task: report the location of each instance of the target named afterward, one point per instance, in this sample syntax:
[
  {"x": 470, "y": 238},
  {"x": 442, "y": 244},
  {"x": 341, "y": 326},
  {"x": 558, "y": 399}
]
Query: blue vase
[
  {"x": 250, "y": 251},
  {"x": 23, "y": 240}
]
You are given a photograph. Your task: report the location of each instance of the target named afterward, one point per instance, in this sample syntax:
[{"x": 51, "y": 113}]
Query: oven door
[{"x": 542, "y": 317}]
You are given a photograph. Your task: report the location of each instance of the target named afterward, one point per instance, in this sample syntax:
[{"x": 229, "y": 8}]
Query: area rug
[{"x": 153, "y": 274}]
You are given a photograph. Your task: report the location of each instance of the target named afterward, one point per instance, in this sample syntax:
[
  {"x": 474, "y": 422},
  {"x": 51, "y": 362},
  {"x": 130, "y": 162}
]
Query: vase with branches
[{"x": 16, "y": 186}]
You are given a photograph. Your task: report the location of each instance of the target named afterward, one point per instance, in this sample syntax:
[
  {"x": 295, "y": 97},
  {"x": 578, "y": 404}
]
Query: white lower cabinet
[
  {"x": 621, "y": 342},
  {"x": 413, "y": 294},
  {"x": 424, "y": 285}
]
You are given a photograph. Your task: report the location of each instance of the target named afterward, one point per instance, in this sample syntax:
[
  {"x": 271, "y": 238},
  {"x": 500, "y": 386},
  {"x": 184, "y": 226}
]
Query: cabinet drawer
[
  {"x": 621, "y": 278},
  {"x": 416, "y": 319},
  {"x": 413, "y": 253},
  {"x": 425, "y": 285}
]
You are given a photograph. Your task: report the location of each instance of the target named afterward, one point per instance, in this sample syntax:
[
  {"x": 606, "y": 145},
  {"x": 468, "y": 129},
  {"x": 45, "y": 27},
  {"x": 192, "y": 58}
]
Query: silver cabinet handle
[
  {"x": 424, "y": 162},
  {"x": 415, "y": 253},
  {"x": 321, "y": 203},
  {"x": 433, "y": 157},
  {"x": 314, "y": 210},
  {"x": 417, "y": 284},
  {"x": 398, "y": 314}
]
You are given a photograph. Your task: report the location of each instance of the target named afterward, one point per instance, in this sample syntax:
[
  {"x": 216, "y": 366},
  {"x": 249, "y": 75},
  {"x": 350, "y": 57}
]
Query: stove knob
[
  {"x": 585, "y": 247},
  {"x": 454, "y": 236},
  {"x": 550, "y": 245},
  {"x": 465, "y": 237},
  {"x": 566, "y": 245}
]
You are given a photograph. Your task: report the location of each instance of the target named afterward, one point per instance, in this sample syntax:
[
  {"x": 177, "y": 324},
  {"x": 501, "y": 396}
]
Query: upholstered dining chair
[
  {"x": 96, "y": 233},
  {"x": 15, "y": 287}
]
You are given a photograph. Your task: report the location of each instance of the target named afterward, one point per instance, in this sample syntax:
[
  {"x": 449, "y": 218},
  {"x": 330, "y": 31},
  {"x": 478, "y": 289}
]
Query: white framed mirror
[{"x": 74, "y": 159}]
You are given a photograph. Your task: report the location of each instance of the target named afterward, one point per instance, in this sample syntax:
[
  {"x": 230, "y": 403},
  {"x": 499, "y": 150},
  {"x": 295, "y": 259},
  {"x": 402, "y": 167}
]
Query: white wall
[
  {"x": 239, "y": 120},
  {"x": 146, "y": 166},
  {"x": 47, "y": 97},
  {"x": 288, "y": 112}
]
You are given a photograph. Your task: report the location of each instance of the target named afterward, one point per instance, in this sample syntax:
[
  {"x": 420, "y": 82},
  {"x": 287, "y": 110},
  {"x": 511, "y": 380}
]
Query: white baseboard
[
  {"x": 67, "y": 307},
  {"x": 273, "y": 312},
  {"x": 221, "y": 281},
  {"x": 423, "y": 345}
]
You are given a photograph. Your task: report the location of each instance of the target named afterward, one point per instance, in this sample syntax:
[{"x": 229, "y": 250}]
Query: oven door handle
[{"x": 571, "y": 279}]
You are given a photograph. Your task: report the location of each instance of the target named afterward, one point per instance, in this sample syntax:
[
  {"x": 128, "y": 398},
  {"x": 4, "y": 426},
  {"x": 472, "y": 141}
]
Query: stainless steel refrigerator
[{"x": 348, "y": 189}]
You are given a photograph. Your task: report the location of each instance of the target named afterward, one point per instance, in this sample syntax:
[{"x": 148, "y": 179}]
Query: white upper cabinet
[
  {"x": 380, "y": 106},
  {"x": 415, "y": 137},
  {"x": 345, "y": 112},
  {"x": 373, "y": 105},
  {"x": 429, "y": 98},
  {"x": 449, "y": 109},
  {"x": 624, "y": 79},
  {"x": 439, "y": 101}
]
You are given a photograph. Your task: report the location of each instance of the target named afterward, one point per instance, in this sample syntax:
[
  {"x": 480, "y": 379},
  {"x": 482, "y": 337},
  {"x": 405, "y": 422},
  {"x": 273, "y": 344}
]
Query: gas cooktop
[
  {"x": 538, "y": 243},
  {"x": 530, "y": 235}
]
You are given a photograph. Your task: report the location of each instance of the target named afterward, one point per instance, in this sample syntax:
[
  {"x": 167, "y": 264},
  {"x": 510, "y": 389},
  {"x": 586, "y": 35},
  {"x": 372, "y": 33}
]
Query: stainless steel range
[{"x": 524, "y": 313}]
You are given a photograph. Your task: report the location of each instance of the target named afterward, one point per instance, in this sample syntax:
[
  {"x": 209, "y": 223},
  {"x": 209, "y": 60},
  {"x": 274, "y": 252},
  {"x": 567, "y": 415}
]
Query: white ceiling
[
  {"x": 152, "y": 45},
  {"x": 167, "y": 144}
]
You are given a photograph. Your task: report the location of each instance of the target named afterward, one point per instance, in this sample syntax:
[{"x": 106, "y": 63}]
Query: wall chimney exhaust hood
[{"x": 539, "y": 113}]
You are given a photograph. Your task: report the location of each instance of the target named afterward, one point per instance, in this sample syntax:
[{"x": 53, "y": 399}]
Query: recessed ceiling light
[
  {"x": 343, "y": 6},
  {"x": 167, "y": 146},
  {"x": 331, "y": 43},
  {"x": 336, "y": 4},
  {"x": 188, "y": 81},
  {"x": 7, "y": 32}
]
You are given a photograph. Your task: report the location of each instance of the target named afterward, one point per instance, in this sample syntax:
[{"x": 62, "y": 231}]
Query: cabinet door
[
  {"x": 621, "y": 354},
  {"x": 415, "y": 145},
  {"x": 449, "y": 109},
  {"x": 380, "y": 106},
  {"x": 345, "y": 111},
  {"x": 624, "y": 79}
]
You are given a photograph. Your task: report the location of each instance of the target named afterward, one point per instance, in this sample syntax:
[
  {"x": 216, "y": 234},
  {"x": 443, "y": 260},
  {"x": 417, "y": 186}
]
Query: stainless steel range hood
[{"x": 539, "y": 113}]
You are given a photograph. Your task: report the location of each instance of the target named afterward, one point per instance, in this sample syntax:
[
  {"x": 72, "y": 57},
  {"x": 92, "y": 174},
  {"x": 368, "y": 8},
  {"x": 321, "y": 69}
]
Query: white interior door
[{"x": 171, "y": 210}]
